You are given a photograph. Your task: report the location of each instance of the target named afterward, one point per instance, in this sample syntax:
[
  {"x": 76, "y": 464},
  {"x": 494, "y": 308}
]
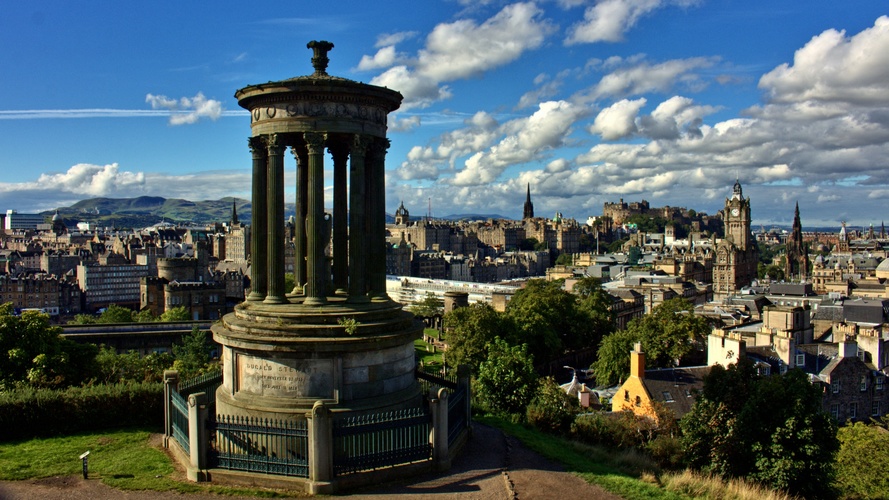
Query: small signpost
[{"x": 85, "y": 458}]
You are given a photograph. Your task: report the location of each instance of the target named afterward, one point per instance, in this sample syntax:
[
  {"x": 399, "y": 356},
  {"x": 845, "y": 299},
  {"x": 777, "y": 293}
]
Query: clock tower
[
  {"x": 737, "y": 218},
  {"x": 736, "y": 256}
]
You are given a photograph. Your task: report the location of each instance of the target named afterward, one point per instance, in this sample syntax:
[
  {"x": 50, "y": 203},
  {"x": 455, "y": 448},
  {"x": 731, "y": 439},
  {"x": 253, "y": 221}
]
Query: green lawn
[
  {"x": 122, "y": 459},
  {"x": 424, "y": 351}
]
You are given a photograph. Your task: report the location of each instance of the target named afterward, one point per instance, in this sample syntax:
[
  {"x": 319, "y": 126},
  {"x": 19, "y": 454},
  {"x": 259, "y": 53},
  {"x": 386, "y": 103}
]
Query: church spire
[
  {"x": 234, "y": 211},
  {"x": 529, "y": 207}
]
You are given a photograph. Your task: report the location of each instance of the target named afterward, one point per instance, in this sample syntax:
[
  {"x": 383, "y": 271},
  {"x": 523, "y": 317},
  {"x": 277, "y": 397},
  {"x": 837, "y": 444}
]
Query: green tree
[
  {"x": 83, "y": 319},
  {"x": 862, "y": 461},
  {"x": 175, "y": 315},
  {"x": 116, "y": 314},
  {"x": 668, "y": 333},
  {"x": 144, "y": 316},
  {"x": 771, "y": 271},
  {"x": 564, "y": 259},
  {"x": 552, "y": 410},
  {"x": 429, "y": 306},
  {"x": 506, "y": 380},
  {"x": 612, "y": 363},
  {"x": 111, "y": 367},
  {"x": 32, "y": 350},
  {"x": 595, "y": 305},
  {"x": 469, "y": 330},
  {"x": 193, "y": 354},
  {"x": 617, "y": 245},
  {"x": 778, "y": 435},
  {"x": 546, "y": 318},
  {"x": 528, "y": 244}
]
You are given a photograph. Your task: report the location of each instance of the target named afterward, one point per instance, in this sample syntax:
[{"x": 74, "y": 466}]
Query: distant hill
[{"x": 145, "y": 211}]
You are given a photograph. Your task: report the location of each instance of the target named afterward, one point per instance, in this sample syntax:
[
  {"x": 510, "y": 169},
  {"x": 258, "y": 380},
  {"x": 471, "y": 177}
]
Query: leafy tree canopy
[
  {"x": 769, "y": 429},
  {"x": 863, "y": 460},
  {"x": 468, "y": 330},
  {"x": 430, "y": 305},
  {"x": 564, "y": 259},
  {"x": 116, "y": 314},
  {"x": 506, "y": 380},
  {"x": 32, "y": 350},
  {"x": 175, "y": 314},
  {"x": 193, "y": 354},
  {"x": 667, "y": 334}
]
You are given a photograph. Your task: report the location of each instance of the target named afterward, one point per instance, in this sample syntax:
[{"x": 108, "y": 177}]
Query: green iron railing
[
  {"x": 259, "y": 445},
  {"x": 179, "y": 419},
  {"x": 381, "y": 440},
  {"x": 457, "y": 417},
  {"x": 207, "y": 383},
  {"x": 428, "y": 381}
]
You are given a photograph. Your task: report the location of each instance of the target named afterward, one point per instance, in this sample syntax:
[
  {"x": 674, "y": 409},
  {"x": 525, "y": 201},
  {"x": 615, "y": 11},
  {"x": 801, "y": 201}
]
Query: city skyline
[{"x": 588, "y": 102}]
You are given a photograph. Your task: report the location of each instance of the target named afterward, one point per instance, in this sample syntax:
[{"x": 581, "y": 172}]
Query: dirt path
[{"x": 492, "y": 467}]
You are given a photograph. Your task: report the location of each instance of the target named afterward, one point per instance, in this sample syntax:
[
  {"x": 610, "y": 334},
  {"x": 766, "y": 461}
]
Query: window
[
  {"x": 862, "y": 386},
  {"x": 638, "y": 401},
  {"x": 853, "y": 410},
  {"x": 800, "y": 359},
  {"x": 835, "y": 411},
  {"x": 668, "y": 398},
  {"x": 835, "y": 387},
  {"x": 875, "y": 409},
  {"x": 879, "y": 385},
  {"x": 626, "y": 395}
]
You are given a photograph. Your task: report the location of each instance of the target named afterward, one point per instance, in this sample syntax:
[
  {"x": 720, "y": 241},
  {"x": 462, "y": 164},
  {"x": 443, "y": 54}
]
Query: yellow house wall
[{"x": 625, "y": 398}]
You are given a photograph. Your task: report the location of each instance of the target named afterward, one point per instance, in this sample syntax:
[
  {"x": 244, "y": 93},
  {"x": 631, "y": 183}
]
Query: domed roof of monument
[{"x": 318, "y": 82}]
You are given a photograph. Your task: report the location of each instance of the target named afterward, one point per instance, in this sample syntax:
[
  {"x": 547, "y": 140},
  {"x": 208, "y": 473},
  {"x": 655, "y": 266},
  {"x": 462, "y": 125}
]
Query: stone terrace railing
[{"x": 323, "y": 453}]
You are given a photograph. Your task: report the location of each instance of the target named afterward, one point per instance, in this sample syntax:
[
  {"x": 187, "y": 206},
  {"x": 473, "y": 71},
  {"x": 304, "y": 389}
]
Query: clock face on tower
[{"x": 735, "y": 212}]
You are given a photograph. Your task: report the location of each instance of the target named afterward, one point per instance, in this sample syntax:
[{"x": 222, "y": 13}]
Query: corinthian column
[
  {"x": 340, "y": 154},
  {"x": 275, "y": 216},
  {"x": 318, "y": 271},
  {"x": 258, "y": 226},
  {"x": 377, "y": 219},
  {"x": 357, "y": 215},
  {"x": 299, "y": 230}
]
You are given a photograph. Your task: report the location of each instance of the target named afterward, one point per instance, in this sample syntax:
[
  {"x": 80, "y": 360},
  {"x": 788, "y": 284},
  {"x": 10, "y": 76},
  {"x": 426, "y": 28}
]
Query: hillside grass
[
  {"x": 431, "y": 360},
  {"x": 629, "y": 473},
  {"x": 122, "y": 459}
]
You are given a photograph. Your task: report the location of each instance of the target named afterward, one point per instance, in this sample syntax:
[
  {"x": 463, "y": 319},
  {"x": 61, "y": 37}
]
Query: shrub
[
  {"x": 666, "y": 451},
  {"x": 552, "y": 410},
  {"x": 26, "y": 412}
]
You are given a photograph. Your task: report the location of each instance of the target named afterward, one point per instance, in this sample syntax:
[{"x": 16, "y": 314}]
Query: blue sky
[{"x": 588, "y": 101}]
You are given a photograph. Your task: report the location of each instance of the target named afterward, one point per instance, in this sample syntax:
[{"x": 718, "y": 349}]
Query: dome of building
[{"x": 883, "y": 269}]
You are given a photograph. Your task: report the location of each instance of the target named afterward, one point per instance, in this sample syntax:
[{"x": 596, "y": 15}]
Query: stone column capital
[
  {"x": 257, "y": 146},
  {"x": 359, "y": 145},
  {"x": 275, "y": 146},
  {"x": 315, "y": 142}
]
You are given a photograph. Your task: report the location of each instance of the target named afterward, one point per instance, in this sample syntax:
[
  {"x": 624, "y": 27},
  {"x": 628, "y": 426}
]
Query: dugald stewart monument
[
  {"x": 336, "y": 337},
  {"x": 319, "y": 385}
]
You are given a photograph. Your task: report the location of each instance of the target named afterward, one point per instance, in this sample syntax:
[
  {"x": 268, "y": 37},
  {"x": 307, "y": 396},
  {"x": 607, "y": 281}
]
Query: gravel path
[{"x": 493, "y": 466}]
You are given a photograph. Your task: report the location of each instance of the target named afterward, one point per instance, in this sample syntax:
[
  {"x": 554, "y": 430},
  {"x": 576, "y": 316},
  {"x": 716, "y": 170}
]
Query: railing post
[
  {"x": 320, "y": 430},
  {"x": 197, "y": 436},
  {"x": 438, "y": 407},
  {"x": 171, "y": 385},
  {"x": 463, "y": 376}
]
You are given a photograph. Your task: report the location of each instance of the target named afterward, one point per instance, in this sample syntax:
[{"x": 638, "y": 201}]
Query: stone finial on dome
[{"x": 319, "y": 59}]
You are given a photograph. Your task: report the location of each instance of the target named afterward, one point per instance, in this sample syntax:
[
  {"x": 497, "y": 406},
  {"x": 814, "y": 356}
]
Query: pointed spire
[
  {"x": 234, "y": 211},
  {"x": 529, "y": 207}
]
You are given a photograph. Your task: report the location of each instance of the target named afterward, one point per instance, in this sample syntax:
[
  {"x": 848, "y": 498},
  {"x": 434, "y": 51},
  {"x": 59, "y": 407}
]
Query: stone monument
[{"x": 336, "y": 337}]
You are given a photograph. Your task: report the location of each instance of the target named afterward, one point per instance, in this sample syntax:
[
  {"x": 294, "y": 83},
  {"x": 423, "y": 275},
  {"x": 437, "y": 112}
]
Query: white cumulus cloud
[{"x": 187, "y": 110}]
